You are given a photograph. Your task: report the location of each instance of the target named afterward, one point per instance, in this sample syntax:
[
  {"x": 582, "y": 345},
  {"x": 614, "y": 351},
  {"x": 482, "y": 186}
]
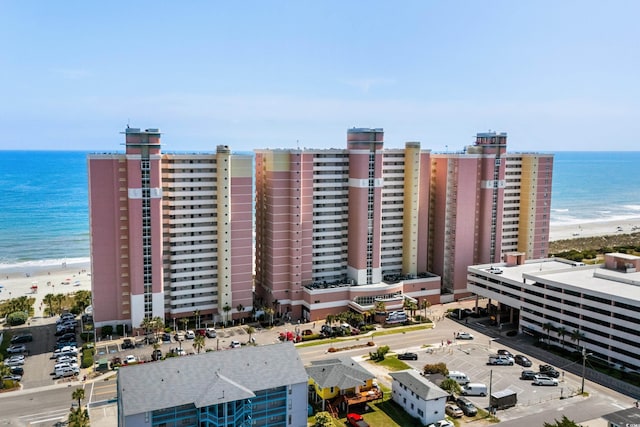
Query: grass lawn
[
  {"x": 392, "y": 363},
  {"x": 364, "y": 338}
]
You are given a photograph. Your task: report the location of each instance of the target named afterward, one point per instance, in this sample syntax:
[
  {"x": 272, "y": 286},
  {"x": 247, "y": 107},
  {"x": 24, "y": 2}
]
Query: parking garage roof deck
[{"x": 565, "y": 273}]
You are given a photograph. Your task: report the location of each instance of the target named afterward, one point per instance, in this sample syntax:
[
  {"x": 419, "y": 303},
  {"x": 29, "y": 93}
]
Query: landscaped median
[{"x": 368, "y": 337}]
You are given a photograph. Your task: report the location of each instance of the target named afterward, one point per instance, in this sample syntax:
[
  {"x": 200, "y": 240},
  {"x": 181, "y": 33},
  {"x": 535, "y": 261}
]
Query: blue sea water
[{"x": 44, "y": 199}]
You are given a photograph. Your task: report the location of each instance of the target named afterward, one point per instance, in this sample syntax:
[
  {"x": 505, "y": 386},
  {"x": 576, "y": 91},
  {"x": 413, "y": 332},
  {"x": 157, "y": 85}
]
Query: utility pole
[{"x": 584, "y": 368}]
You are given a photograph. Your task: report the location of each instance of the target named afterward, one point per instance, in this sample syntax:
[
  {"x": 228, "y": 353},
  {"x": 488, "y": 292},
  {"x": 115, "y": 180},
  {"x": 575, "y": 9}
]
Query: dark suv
[
  {"x": 549, "y": 371},
  {"x": 467, "y": 407},
  {"x": 127, "y": 343},
  {"x": 20, "y": 339},
  {"x": 528, "y": 375}
]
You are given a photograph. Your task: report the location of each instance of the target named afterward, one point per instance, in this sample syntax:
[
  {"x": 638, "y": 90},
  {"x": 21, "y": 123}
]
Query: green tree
[
  {"x": 79, "y": 418},
  {"x": 548, "y": 327},
  {"x": 564, "y": 422},
  {"x": 240, "y": 309},
  {"x": 146, "y": 324},
  {"x": 49, "y": 300},
  {"x": 250, "y": 330},
  {"x": 379, "y": 307},
  {"x": 82, "y": 300},
  {"x": 436, "y": 368},
  {"x": 60, "y": 302},
  {"x": 157, "y": 325},
  {"x": 324, "y": 419},
  {"x": 451, "y": 386},
  {"x": 561, "y": 331},
  {"x": 198, "y": 343},
  {"x": 424, "y": 305},
  {"x": 78, "y": 394},
  {"x": 269, "y": 312},
  {"x": 576, "y": 336},
  {"x": 196, "y": 314},
  {"x": 185, "y": 323},
  {"x": 226, "y": 309}
]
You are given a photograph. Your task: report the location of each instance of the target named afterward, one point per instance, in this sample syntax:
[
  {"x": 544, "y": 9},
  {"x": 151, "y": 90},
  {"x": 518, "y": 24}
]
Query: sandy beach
[
  {"x": 72, "y": 275},
  {"x": 594, "y": 229},
  {"x": 37, "y": 279}
]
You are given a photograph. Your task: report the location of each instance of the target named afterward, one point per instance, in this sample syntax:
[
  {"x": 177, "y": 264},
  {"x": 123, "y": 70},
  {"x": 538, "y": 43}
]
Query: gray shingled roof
[
  {"x": 343, "y": 373},
  {"x": 418, "y": 384},
  {"x": 208, "y": 378}
]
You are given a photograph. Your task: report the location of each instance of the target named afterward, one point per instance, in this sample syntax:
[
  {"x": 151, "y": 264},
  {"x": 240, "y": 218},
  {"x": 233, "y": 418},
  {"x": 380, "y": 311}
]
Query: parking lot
[{"x": 471, "y": 357}]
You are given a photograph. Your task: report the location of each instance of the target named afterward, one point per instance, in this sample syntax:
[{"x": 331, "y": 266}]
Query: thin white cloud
[
  {"x": 71, "y": 73},
  {"x": 365, "y": 84}
]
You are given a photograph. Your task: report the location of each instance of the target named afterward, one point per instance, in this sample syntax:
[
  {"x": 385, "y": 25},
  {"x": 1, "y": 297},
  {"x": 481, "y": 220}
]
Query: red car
[{"x": 356, "y": 420}]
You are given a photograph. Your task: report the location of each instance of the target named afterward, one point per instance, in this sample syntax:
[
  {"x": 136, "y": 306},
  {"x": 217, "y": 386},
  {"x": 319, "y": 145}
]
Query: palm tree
[
  {"x": 82, "y": 299},
  {"x": 250, "y": 330},
  {"x": 424, "y": 305},
  {"x": 48, "y": 300},
  {"x": 371, "y": 314},
  {"x": 198, "y": 343},
  {"x": 226, "y": 309},
  {"x": 197, "y": 320},
  {"x": 157, "y": 324},
  {"x": 269, "y": 312},
  {"x": 576, "y": 335},
  {"x": 59, "y": 301},
  {"x": 185, "y": 323},
  {"x": 146, "y": 324},
  {"x": 330, "y": 319},
  {"x": 78, "y": 394},
  {"x": 562, "y": 331},
  {"x": 240, "y": 309},
  {"x": 276, "y": 305},
  {"x": 548, "y": 327},
  {"x": 380, "y": 307},
  {"x": 79, "y": 418}
]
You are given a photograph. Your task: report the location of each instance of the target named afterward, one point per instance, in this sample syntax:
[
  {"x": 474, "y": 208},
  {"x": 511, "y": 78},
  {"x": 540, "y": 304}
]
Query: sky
[{"x": 555, "y": 75}]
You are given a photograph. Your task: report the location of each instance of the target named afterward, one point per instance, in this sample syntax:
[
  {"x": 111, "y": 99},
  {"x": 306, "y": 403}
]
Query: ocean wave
[
  {"x": 559, "y": 210},
  {"x": 42, "y": 264},
  {"x": 632, "y": 207},
  {"x": 559, "y": 222}
]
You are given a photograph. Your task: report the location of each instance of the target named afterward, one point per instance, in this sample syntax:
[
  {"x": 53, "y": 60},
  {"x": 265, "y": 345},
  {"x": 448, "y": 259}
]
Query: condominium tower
[
  {"x": 171, "y": 234},
  {"x": 349, "y": 228}
]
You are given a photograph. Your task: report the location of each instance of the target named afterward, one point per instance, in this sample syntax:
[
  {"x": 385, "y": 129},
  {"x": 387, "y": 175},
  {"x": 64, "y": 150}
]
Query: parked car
[
  {"x": 12, "y": 377},
  {"x": 166, "y": 337},
  {"x": 408, "y": 356},
  {"x": 14, "y": 362},
  {"x": 62, "y": 365},
  {"x": 22, "y": 338},
  {"x": 528, "y": 375},
  {"x": 211, "y": 333},
  {"x": 16, "y": 349},
  {"x": 130, "y": 359},
  {"x": 64, "y": 331},
  {"x": 69, "y": 359},
  {"x": 549, "y": 371},
  {"x": 504, "y": 352},
  {"x": 453, "y": 411},
  {"x": 356, "y": 420},
  {"x": 235, "y": 344},
  {"x": 542, "y": 380},
  {"x": 467, "y": 406},
  {"x": 464, "y": 336},
  {"x": 189, "y": 335},
  {"x": 156, "y": 355},
  {"x": 441, "y": 423},
  {"x": 17, "y": 370},
  {"x": 127, "y": 343},
  {"x": 522, "y": 360},
  {"x": 500, "y": 359}
]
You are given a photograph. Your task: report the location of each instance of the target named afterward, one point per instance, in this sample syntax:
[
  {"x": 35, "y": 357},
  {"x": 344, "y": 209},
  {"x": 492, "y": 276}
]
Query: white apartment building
[{"x": 418, "y": 396}]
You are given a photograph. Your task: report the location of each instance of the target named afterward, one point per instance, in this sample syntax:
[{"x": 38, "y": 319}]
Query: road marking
[{"x": 62, "y": 417}]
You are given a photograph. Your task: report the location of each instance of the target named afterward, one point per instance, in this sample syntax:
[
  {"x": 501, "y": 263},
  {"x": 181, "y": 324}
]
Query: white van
[
  {"x": 475, "y": 389},
  {"x": 66, "y": 371},
  {"x": 460, "y": 377}
]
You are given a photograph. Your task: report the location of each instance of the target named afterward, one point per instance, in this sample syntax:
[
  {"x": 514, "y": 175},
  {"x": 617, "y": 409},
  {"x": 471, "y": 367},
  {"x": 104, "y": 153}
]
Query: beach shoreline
[{"x": 70, "y": 275}]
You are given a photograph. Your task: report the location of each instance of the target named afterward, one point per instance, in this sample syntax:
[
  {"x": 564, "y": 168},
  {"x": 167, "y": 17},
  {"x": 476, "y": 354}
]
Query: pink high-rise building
[
  {"x": 346, "y": 229},
  {"x": 171, "y": 234}
]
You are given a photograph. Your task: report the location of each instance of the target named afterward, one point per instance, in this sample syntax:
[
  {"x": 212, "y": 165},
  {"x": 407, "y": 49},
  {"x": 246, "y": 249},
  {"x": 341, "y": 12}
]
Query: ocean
[{"x": 44, "y": 204}]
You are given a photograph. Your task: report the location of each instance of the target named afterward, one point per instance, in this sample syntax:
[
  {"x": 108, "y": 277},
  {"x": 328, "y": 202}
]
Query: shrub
[
  {"x": 120, "y": 330},
  {"x": 106, "y": 331},
  {"x": 371, "y": 343},
  {"x": 332, "y": 350},
  {"x": 378, "y": 355},
  {"x": 436, "y": 368},
  {"x": 17, "y": 318}
]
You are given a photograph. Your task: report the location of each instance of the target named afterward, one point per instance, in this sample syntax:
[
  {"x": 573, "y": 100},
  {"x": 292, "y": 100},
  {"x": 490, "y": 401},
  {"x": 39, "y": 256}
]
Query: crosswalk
[{"x": 49, "y": 418}]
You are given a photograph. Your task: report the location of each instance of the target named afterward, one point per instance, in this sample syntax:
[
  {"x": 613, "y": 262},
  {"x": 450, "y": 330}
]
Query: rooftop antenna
[{"x": 298, "y": 143}]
